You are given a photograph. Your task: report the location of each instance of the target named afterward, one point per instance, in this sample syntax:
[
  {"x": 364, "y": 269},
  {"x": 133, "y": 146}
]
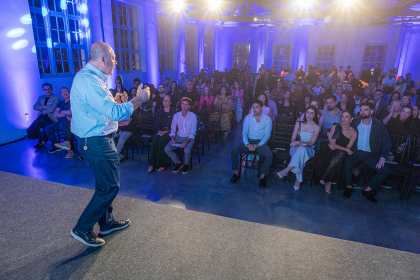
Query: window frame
[
  {"x": 164, "y": 34},
  {"x": 248, "y": 59},
  {"x": 316, "y": 61},
  {"x": 381, "y": 63},
  {"x": 288, "y": 62}
]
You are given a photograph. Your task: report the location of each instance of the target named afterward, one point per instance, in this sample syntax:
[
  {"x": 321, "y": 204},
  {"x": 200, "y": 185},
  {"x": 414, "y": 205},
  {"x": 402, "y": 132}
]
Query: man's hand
[
  {"x": 184, "y": 144},
  {"x": 117, "y": 98},
  {"x": 68, "y": 118},
  {"x": 381, "y": 163},
  {"x": 173, "y": 141},
  {"x": 46, "y": 106},
  {"x": 159, "y": 133},
  {"x": 142, "y": 96},
  {"x": 250, "y": 147},
  {"x": 124, "y": 97},
  {"x": 256, "y": 146}
]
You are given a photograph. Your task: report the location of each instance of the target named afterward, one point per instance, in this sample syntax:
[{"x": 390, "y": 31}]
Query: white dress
[
  {"x": 300, "y": 155},
  {"x": 238, "y": 108}
]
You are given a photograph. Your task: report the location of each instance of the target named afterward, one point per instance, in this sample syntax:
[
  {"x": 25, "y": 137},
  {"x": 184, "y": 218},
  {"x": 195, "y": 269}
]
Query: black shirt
[
  {"x": 193, "y": 95},
  {"x": 398, "y": 127},
  {"x": 164, "y": 119},
  {"x": 64, "y": 106},
  {"x": 299, "y": 74}
]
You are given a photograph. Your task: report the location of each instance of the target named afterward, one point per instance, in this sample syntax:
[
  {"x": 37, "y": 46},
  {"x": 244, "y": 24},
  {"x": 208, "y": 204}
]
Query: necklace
[{"x": 310, "y": 123}]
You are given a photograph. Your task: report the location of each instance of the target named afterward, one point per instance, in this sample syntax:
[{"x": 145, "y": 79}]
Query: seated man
[
  {"x": 331, "y": 114},
  {"x": 63, "y": 114},
  {"x": 186, "y": 122},
  {"x": 190, "y": 93},
  {"x": 255, "y": 134},
  {"x": 372, "y": 147},
  {"x": 46, "y": 105}
]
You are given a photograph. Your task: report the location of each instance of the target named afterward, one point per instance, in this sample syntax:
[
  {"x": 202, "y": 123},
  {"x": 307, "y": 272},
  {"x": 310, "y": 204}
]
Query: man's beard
[
  {"x": 330, "y": 108},
  {"x": 363, "y": 117}
]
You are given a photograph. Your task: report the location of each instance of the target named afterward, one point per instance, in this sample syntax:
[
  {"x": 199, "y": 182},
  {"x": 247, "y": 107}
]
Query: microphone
[{"x": 119, "y": 81}]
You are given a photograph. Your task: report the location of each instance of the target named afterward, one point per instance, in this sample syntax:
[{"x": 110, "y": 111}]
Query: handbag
[{"x": 298, "y": 134}]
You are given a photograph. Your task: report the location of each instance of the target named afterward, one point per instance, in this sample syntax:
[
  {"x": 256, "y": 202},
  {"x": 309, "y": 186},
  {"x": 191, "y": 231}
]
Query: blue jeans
[{"x": 102, "y": 158}]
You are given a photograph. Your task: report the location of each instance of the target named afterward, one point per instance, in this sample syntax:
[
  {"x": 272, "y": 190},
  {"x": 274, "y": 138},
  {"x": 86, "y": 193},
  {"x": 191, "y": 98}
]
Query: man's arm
[
  {"x": 173, "y": 127},
  {"x": 37, "y": 106},
  {"x": 386, "y": 141},
  {"x": 245, "y": 131},
  {"x": 53, "y": 106},
  {"x": 267, "y": 133},
  {"x": 193, "y": 127}
]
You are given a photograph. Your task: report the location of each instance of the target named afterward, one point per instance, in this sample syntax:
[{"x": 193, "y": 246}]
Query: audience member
[
  {"x": 233, "y": 74},
  {"x": 278, "y": 92},
  {"x": 320, "y": 117},
  {"x": 175, "y": 93},
  {"x": 136, "y": 82},
  {"x": 406, "y": 101},
  {"x": 409, "y": 82},
  {"x": 312, "y": 77},
  {"x": 341, "y": 75},
  {"x": 381, "y": 106},
  {"x": 225, "y": 101},
  {"x": 349, "y": 91},
  {"x": 206, "y": 99},
  {"x": 302, "y": 145},
  {"x": 272, "y": 105},
  {"x": 265, "y": 110},
  {"x": 372, "y": 147},
  {"x": 295, "y": 93},
  {"x": 366, "y": 74},
  {"x": 238, "y": 96},
  {"x": 203, "y": 76},
  {"x": 346, "y": 104},
  {"x": 62, "y": 113},
  {"x": 213, "y": 86},
  {"x": 401, "y": 124},
  {"x": 303, "y": 104},
  {"x": 325, "y": 79},
  {"x": 388, "y": 82},
  {"x": 376, "y": 72},
  {"x": 182, "y": 83},
  {"x": 399, "y": 85},
  {"x": 183, "y": 130},
  {"x": 167, "y": 85},
  {"x": 355, "y": 83},
  {"x": 330, "y": 161},
  {"x": 224, "y": 83},
  {"x": 46, "y": 105},
  {"x": 299, "y": 73},
  {"x": 289, "y": 77},
  {"x": 260, "y": 82},
  {"x": 164, "y": 118},
  {"x": 158, "y": 99},
  {"x": 317, "y": 90},
  {"x": 191, "y": 93},
  {"x": 255, "y": 134},
  {"x": 286, "y": 105},
  {"x": 348, "y": 72},
  {"x": 331, "y": 114},
  {"x": 272, "y": 79}
]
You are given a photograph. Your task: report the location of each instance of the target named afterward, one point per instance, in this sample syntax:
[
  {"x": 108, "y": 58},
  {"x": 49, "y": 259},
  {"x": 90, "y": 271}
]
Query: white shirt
[
  {"x": 187, "y": 127},
  {"x": 389, "y": 82},
  {"x": 364, "y": 136}
]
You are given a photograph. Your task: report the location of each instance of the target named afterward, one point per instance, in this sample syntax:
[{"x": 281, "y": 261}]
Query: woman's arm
[
  {"x": 293, "y": 141},
  {"x": 314, "y": 137},
  {"x": 229, "y": 105},
  {"x": 270, "y": 113}
]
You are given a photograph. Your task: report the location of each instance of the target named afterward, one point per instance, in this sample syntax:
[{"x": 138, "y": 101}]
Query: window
[
  {"x": 164, "y": 41},
  {"x": 372, "y": 55},
  {"x": 282, "y": 57},
  {"x": 325, "y": 56},
  {"x": 60, "y": 35},
  {"x": 208, "y": 46},
  {"x": 242, "y": 53},
  {"x": 190, "y": 44},
  {"x": 126, "y": 36}
]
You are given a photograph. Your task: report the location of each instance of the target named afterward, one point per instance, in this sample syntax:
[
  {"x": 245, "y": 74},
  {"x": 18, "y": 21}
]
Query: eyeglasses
[{"x": 167, "y": 100}]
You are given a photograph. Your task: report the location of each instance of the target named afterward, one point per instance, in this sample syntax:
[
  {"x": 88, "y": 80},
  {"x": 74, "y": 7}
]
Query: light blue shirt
[
  {"x": 257, "y": 130},
  {"x": 329, "y": 119},
  {"x": 364, "y": 136},
  {"x": 94, "y": 111}
]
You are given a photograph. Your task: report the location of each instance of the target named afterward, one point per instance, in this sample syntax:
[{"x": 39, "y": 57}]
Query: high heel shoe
[
  {"x": 280, "y": 176},
  {"x": 296, "y": 187}
]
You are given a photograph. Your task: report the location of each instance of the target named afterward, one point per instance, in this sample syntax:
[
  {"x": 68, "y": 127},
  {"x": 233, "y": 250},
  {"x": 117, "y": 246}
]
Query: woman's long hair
[
  {"x": 316, "y": 120},
  {"x": 392, "y": 94},
  {"x": 266, "y": 99},
  {"x": 170, "y": 89}
]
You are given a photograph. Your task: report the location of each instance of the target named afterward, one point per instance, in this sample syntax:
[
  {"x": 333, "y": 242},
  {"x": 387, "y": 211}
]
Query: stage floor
[
  {"x": 389, "y": 223},
  {"x": 168, "y": 243}
]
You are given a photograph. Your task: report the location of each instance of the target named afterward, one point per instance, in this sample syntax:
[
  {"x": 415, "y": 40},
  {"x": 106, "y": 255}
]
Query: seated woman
[
  {"x": 399, "y": 122},
  {"x": 126, "y": 129},
  {"x": 174, "y": 92},
  {"x": 286, "y": 106},
  {"x": 303, "y": 149},
  {"x": 226, "y": 102},
  {"x": 344, "y": 103},
  {"x": 329, "y": 163},
  {"x": 266, "y": 110},
  {"x": 394, "y": 112},
  {"x": 320, "y": 117},
  {"x": 303, "y": 104},
  {"x": 206, "y": 100},
  {"x": 164, "y": 117},
  {"x": 295, "y": 94},
  {"x": 238, "y": 95},
  {"x": 200, "y": 85},
  {"x": 406, "y": 101},
  {"x": 214, "y": 88}
]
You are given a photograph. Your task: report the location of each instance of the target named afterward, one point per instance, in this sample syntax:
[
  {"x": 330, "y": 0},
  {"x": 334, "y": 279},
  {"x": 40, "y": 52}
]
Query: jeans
[
  {"x": 157, "y": 152},
  {"x": 366, "y": 158},
  {"x": 124, "y": 136},
  {"x": 169, "y": 149},
  {"x": 63, "y": 126},
  {"x": 264, "y": 151},
  {"x": 102, "y": 158},
  {"x": 33, "y": 130}
]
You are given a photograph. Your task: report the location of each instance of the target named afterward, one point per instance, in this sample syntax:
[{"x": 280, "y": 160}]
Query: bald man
[{"x": 94, "y": 121}]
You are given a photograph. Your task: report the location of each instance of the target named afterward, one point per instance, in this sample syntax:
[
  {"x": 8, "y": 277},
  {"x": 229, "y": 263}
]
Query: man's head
[
  {"x": 167, "y": 81},
  {"x": 301, "y": 67},
  {"x": 339, "y": 90},
  {"x": 408, "y": 76},
  {"x": 102, "y": 57},
  {"x": 340, "y": 68},
  {"x": 65, "y": 93},
  {"x": 257, "y": 107},
  {"x": 378, "y": 94},
  {"x": 137, "y": 82},
  {"x": 318, "y": 84},
  {"x": 366, "y": 90},
  {"x": 182, "y": 75},
  {"x": 348, "y": 67},
  {"x": 161, "y": 88},
  {"x": 376, "y": 65},
  {"x": 189, "y": 86},
  {"x": 185, "y": 104},
  {"x": 405, "y": 113},
  {"x": 330, "y": 102},
  {"x": 366, "y": 110},
  {"x": 348, "y": 87},
  {"x": 279, "y": 85},
  {"x": 48, "y": 90},
  {"x": 325, "y": 73}
]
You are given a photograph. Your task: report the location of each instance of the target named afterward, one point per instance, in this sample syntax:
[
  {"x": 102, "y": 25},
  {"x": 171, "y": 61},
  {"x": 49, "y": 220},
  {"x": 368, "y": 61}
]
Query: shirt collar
[{"x": 96, "y": 71}]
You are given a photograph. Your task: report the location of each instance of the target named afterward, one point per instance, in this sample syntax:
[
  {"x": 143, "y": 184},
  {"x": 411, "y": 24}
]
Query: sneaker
[
  {"x": 120, "y": 157},
  {"x": 63, "y": 145},
  {"x": 87, "y": 238},
  {"x": 178, "y": 167},
  {"x": 54, "y": 150},
  {"x": 70, "y": 154},
  {"x": 81, "y": 158},
  {"x": 39, "y": 146},
  {"x": 186, "y": 169},
  {"x": 117, "y": 225},
  {"x": 262, "y": 183}
]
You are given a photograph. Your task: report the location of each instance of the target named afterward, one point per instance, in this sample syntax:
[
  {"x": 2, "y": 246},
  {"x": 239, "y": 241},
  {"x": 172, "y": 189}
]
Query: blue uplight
[
  {"x": 34, "y": 49},
  {"x": 26, "y": 19},
  {"x": 17, "y": 32},
  {"x": 49, "y": 43},
  {"x": 44, "y": 11},
  {"x": 20, "y": 44},
  {"x": 85, "y": 22},
  {"x": 83, "y": 8},
  {"x": 63, "y": 4}
]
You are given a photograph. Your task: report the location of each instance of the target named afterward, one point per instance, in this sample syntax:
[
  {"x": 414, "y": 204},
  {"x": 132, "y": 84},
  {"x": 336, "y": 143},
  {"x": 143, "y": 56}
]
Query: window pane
[
  {"x": 59, "y": 66},
  {"x": 60, "y": 23},
  {"x": 70, "y": 7},
  {"x": 66, "y": 66},
  {"x": 39, "y": 20},
  {"x": 76, "y": 54},
  {"x": 58, "y": 5},
  {"x": 57, "y": 54},
  {"x": 37, "y": 3},
  {"x": 40, "y": 67},
  {"x": 62, "y": 37},
  {"x": 76, "y": 66},
  {"x": 64, "y": 54},
  {"x": 51, "y": 5}
]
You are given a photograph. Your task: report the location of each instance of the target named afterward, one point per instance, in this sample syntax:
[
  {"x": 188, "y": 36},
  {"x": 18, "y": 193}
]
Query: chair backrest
[
  {"x": 147, "y": 122},
  {"x": 400, "y": 147},
  {"x": 282, "y": 136},
  {"x": 413, "y": 150},
  {"x": 285, "y": 119},
  {"x": 286, "y": 113}
]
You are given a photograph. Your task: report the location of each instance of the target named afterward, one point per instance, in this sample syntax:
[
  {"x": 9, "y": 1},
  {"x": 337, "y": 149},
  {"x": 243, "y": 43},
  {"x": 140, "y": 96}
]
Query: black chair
[
  {"x": 143, "y": 135},
  {"x": 243, "y": 163},
  {"x": 281, "y": 143},
  {"x": 203, "y": 129},
  {"x": 413, "y": 166},
  {"x": 194, "y": 151}
]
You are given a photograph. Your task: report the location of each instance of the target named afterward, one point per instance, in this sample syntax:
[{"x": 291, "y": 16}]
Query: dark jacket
[
  {"x": 164, "y": 124},
  {"x": 379, "y": 140}
]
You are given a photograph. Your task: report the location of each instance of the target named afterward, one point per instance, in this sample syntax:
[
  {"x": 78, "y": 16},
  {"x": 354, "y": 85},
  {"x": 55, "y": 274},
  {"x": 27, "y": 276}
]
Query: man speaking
[{"x": 95, "y": 116}]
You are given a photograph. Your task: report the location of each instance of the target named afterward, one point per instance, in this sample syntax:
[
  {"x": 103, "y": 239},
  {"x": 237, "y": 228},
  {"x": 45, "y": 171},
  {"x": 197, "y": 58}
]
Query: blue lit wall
[
  {"x": 412, "y": 56},
  {"x": 20, "y": 84}
]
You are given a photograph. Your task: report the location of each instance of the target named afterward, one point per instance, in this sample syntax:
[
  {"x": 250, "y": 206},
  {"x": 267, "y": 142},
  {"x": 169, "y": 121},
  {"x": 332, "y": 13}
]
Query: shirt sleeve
[
  {"x": 267, "y": 133},
  {"x": 245, "y": 131},
  {"x": 100, "y": 98},
  {"x": 194, "y": 127},
  {"x": 173, "y": 126},
  {"x": 37, "y": 106}
]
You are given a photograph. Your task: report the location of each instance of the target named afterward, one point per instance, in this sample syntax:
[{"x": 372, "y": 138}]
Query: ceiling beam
[{"x": 395, "y": 21}]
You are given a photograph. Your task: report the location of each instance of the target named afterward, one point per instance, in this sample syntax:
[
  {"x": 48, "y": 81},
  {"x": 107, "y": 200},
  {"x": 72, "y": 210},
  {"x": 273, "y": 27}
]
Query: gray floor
[
  {"x": 390, "y": 223},
  {"x": 168, "y": 243}
]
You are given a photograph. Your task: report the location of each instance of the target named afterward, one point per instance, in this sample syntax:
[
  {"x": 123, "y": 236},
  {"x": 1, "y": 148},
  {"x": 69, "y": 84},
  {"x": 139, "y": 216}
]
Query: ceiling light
[
  {"x": 305, "y": 3},
  {"x": 348, "y": 2},
  {"x": 214, "y": 4},
  {"x": 178, "y": 5},
  {"x": 255, "y": 18}
]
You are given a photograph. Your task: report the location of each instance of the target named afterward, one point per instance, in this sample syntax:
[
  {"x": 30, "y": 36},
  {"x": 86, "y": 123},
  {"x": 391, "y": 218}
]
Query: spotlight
[
  {"x": 348, "y": 2},
  {"x": 17, "y": 32},
  {"x": 305, "y": 3},
  {"x": 34, "y": 49},
  {"x": 83, "y": 8},
  {"x": 255, "y": 18},
  {"x": 63, "y": 4},
  {"x": 26, "y": 19},
  {"x": 214, "y": 4},
  {"x": 178, "y": 5},
  {"x": 44, "y": 11},
  {"x": 85, "y": 22},
  {"x": 49, "y": 43},
  {"x": 20, "y": 44}
]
